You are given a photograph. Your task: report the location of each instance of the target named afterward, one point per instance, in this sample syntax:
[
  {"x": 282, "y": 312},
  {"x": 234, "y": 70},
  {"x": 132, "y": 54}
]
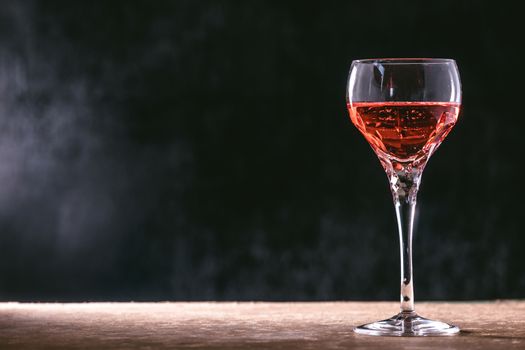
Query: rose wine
[{"x": 404, "y": 131}]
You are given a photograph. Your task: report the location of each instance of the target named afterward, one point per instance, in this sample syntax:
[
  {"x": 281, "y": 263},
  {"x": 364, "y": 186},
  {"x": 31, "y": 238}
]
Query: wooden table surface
[{"x": 259, "y": 325}]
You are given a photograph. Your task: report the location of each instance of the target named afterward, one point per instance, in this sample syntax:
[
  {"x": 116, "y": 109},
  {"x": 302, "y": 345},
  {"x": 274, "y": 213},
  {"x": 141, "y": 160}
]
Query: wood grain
[{"x": 259, "y": 325}]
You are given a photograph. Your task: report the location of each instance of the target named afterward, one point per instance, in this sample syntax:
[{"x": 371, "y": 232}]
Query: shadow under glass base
[{"x": 407, "y": 324}]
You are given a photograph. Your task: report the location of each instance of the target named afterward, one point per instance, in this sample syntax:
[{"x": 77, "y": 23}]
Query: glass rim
[{"x": 405, "y": 60}]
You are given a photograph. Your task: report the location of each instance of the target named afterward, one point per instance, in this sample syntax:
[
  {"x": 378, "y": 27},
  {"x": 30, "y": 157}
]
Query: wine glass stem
[
  {"x": 404, "y": 181},
  {"x": 405, "y": 220}
]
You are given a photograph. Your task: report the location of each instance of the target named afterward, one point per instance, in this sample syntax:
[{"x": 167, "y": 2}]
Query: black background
[{"x": 190, "y": 150}]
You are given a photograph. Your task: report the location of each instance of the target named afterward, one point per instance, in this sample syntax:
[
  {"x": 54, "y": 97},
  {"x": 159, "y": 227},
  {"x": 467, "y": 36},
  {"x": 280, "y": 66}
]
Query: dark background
[{"x": 190, "y": 150}]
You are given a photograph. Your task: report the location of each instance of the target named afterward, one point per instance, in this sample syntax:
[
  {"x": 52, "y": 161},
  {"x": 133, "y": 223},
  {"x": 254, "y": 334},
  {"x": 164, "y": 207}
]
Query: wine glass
[{"x": 404, "y": 107}]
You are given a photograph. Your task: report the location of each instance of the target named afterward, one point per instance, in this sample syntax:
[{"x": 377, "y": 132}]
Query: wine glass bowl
[{"x": 404, "y": 107}]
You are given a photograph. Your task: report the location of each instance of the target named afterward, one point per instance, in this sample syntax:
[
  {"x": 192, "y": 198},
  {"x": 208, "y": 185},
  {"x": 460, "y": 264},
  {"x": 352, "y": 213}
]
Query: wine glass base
[{"x": 407, "y": 324}]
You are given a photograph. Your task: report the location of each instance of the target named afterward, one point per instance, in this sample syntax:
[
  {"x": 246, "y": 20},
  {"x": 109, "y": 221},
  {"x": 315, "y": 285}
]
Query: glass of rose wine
[{"x": 404, "y": 107}]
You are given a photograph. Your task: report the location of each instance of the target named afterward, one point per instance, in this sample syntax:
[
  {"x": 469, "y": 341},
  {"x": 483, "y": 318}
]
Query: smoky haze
[
  {"x": 73, "y": 185},
  {"x": 183, "y": 150}
]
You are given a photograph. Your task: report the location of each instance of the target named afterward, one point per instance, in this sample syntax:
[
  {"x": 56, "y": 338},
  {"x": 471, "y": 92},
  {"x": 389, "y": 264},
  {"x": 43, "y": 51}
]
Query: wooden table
[{"x": 260, "y": 325}]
